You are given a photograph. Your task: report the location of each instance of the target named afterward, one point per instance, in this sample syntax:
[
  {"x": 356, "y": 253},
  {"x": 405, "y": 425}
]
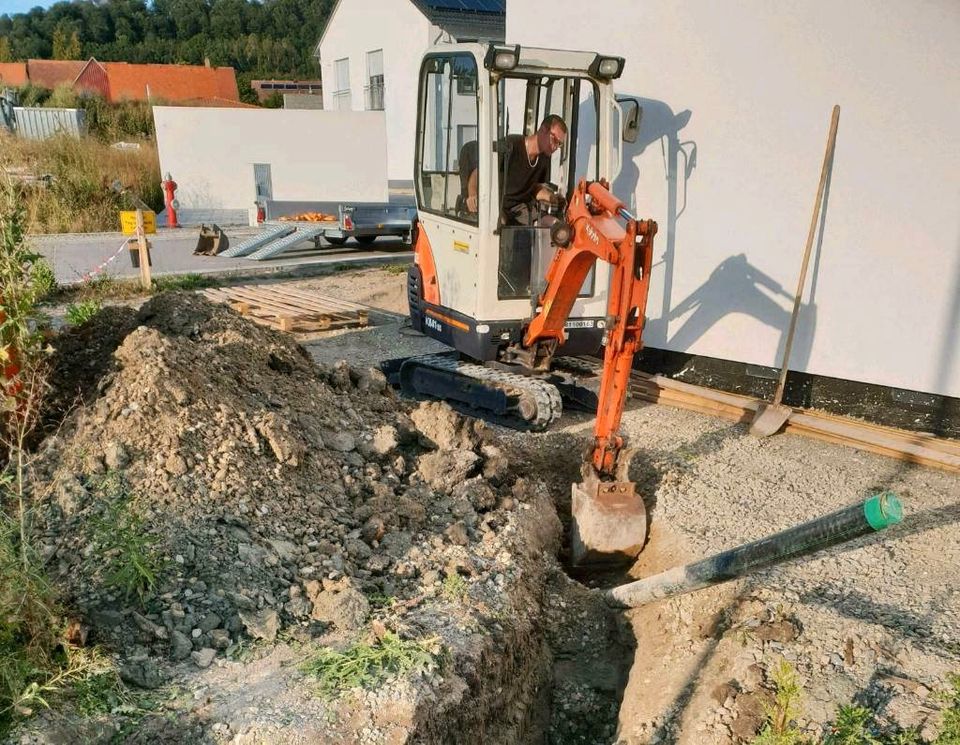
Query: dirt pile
[{"x": 265, "y": 497}]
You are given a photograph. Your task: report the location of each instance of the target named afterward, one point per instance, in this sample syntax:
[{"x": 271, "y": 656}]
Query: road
[{"x": 78, "y": 257}]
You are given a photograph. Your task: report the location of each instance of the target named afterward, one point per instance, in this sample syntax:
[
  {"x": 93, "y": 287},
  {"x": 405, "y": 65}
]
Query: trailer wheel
[
  {"x": 366, "y": 240},
  {"x": 335, "y": 241}
]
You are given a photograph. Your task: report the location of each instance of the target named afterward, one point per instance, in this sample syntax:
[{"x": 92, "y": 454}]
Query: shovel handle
[{"x": 827, "y": 163}]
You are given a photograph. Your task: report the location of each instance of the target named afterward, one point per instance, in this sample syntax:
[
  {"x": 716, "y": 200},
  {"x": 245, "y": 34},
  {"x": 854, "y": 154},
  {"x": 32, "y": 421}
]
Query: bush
[
  {"x": 79, "y": 313},
  {"x": 64, "y": 96},
  {"x": 43, "y": 278}
]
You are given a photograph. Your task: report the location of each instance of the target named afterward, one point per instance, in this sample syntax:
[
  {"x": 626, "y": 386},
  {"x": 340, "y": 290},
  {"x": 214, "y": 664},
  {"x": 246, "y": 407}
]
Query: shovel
[{"x": 771, "y": 417}]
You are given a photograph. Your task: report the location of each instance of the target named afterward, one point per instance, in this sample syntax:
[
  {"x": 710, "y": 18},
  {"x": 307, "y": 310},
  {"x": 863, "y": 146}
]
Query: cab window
[{"x": 447, "y": 147}]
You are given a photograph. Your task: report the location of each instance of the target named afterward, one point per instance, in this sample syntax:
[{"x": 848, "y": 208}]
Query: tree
[
  {"x": 66, "y": 42},
  {"x": 6, "y": 55}
]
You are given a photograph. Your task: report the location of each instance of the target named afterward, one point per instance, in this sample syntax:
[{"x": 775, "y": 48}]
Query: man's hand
[{"x": 472, "y": 203}]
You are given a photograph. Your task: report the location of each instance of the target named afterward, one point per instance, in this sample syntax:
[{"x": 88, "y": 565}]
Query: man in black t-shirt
[{"x": 524, "y": 171}]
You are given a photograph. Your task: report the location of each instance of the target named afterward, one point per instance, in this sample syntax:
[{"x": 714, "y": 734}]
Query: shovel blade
[
  {"x": 770, "y": 420},
  {"x": 609, "y": 523}
]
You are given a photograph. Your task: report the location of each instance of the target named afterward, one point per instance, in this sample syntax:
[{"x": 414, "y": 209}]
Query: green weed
[
  {"x": 950, "y": 724},
  {"x": 183, "y": 282},
  {"x": 852, "y": 726},
  {"x": 395, "y": 268},
  {"x": 43, "y": 278},
  {"x": 132, "y": 562},
  {"x": 79, "y": 313},
  {"x": 364, "y": 665},
  {"x": 780, "y": 727},
  {"x": 454, "y": 587}
]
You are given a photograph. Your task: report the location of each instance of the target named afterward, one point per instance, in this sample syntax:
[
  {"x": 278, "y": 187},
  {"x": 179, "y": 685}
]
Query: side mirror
[{"x": 632, "y": 115}]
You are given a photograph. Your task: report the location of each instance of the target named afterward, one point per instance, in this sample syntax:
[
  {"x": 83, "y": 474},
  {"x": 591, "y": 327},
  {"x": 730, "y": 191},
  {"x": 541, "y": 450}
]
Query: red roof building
[
  {"x": 49, "y": 73},
  {"x": 13, "y": 74},
  {"x": 171, "y": 83},
  {"x": 119, "y": 81}
]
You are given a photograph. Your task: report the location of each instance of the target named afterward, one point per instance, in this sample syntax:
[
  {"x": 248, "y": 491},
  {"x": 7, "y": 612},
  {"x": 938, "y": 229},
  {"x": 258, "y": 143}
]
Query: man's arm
[{"x": 472, "y": 190}]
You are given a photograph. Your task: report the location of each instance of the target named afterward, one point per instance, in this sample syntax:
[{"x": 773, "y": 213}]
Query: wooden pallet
[
  {"x": 289, "y": 309},
  {"x": 914, "y": 447}
]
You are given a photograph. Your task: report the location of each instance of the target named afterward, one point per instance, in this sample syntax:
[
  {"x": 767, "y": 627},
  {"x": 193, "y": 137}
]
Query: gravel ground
[{"x": 874, "y": 621}]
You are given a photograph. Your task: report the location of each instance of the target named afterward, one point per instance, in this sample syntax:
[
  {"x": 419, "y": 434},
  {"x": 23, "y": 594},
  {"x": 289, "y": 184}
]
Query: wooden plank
[
  {"x": 319, "y": 297},
  {"x": 322, "y": 305},
  {"x": 268, "y": 303},
  {"x": 900, "y": 444},
  {"x": 306, "y": 305},
  {"x": 280, "y": 314}
]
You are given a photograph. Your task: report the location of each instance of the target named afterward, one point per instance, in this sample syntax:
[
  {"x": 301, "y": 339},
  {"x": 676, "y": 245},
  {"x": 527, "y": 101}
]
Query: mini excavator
[{"x": 514, "y": 302}]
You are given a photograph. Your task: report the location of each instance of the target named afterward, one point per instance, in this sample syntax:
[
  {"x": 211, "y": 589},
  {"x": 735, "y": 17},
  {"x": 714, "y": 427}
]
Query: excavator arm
[{"x": 609, "y": 516}]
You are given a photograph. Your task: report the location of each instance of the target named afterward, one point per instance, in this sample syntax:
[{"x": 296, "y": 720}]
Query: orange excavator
[{"x": 519, "y": 303}]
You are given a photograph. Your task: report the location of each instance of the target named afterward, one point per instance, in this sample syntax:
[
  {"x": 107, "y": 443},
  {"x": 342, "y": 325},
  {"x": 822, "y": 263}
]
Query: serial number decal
[
  {"x": 461, "y": 247},
  {"x": 431, "y": 323},
  {"x": 579, "y": 324}
]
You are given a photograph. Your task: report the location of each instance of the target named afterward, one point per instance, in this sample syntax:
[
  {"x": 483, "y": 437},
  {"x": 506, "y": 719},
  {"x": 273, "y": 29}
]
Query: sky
[{"x": 22, "y": 6}]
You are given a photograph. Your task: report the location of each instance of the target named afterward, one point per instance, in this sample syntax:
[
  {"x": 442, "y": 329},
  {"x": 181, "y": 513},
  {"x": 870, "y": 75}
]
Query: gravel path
[{"x": 875, "y": 621}]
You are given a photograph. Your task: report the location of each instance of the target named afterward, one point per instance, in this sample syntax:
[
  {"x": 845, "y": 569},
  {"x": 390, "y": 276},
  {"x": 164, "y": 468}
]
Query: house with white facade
[
  {"x": 370, "y": 53},
  {"x": 728, "y": 158}
]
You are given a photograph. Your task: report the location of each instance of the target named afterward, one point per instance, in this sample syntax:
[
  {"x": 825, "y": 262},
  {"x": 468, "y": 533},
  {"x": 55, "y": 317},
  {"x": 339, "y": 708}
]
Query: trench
[{"x": 560, "y": 679}]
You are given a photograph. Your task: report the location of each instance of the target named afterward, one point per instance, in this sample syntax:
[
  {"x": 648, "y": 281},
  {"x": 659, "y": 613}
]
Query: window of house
[
  {"x": 374, "y": 88},
  {"x": 447, "y": 150},
  {"x": 341, "y": 96}
]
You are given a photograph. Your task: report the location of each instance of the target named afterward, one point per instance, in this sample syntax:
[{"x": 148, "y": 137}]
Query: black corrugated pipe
[{"x": 876, "y": 513}]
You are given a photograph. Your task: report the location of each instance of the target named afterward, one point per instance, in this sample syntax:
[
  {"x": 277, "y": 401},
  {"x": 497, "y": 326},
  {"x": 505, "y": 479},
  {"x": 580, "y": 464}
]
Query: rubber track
[{"x": 546, "y": 396}]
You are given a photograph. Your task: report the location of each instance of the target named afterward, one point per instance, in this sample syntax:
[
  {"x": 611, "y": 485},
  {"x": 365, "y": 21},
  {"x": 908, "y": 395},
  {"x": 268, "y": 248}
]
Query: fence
[{"x": 39, "y": 124}]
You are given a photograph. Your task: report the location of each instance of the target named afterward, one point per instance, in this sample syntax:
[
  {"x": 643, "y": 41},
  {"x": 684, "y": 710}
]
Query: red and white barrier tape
[{"x": 94, "y": 272}]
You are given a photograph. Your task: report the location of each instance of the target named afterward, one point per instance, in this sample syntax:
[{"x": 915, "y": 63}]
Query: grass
[
  {"x": 396, "y": 268},
  {"x": 183, "y": 282},
  {"x": 78, "y": 197},
  {"x": 454, "y": 587},
  {"x": 368, "y": 664},
  {"x": 78, "y": 314},
  {"x": 131, "y": 563},
  {"x": 950, "y": 725}
]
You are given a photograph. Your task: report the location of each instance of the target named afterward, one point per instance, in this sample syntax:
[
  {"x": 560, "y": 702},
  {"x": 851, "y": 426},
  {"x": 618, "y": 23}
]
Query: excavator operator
[{"x": 524, "y": 171}]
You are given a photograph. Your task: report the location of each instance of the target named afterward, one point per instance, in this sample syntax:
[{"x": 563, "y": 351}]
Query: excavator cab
[
  {"x": 481, "y": 278},
  {"x": 513, "y": 299}
]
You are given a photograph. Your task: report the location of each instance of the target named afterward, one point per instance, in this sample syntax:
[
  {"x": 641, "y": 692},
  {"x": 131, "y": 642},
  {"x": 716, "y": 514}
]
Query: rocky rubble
[{"x": 288, "y": 501}]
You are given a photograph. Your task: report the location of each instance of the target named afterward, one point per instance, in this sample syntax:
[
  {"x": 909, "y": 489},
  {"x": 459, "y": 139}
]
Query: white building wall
[
  {"x": 313, "y": 155},
  {"x": 402, "y": 32},
  {"x": 751, "y": 84}
]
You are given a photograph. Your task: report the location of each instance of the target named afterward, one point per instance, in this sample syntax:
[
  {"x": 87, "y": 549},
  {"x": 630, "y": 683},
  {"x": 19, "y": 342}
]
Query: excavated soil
[{"x": 291, "y": 505}]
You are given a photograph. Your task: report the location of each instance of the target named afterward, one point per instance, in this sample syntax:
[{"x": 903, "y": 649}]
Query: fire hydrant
[{"x": 170, "y": 201}]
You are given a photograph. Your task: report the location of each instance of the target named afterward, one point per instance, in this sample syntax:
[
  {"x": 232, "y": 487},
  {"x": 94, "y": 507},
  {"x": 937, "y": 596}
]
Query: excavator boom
[{"x": 609, "y": 517}]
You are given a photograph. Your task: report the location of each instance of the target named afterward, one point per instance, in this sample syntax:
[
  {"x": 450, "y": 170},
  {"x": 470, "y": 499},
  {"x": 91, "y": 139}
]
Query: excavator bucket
[{"x": 609, "y": 522}]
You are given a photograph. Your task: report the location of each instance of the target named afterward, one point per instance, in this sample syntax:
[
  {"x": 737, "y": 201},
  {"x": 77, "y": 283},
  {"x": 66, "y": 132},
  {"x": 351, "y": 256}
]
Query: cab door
[{"x": 447, "y": 153}]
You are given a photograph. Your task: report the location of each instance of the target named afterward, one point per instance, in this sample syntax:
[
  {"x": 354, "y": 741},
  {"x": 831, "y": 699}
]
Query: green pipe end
[{"x": 883, "y": 510}]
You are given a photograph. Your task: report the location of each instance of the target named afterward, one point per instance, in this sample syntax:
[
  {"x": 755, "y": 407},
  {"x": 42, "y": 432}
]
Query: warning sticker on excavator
[
  {"x": 461, "y": 247},
  {"x": 583, "y": 323}
]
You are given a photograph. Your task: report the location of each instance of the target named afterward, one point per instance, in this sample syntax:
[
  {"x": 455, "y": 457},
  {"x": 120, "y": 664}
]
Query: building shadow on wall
[{"x": 660, "y": 128}]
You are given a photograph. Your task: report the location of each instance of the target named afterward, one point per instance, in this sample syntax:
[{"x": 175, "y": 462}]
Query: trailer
[{"x": 363, "y": 222}]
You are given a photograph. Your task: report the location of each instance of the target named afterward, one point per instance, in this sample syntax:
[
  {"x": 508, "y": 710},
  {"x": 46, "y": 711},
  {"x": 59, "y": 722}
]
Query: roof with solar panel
[{"x": 467, "y": 19}]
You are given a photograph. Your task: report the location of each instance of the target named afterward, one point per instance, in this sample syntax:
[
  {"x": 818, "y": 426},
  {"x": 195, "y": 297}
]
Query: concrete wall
[
  {"x": 737, "y": 98},
  {"x": 361, "y": 26},
  {"x": 313, "y": 155}
]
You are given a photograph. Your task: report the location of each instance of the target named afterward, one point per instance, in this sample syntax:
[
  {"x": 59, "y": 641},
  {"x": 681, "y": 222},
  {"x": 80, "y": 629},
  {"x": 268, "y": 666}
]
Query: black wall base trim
[{"x": 892, "y": 407}]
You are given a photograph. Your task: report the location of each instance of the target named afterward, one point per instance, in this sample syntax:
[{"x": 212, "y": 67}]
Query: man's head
[{"x": 551, "y": 134}]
